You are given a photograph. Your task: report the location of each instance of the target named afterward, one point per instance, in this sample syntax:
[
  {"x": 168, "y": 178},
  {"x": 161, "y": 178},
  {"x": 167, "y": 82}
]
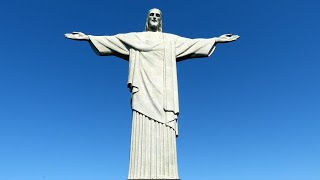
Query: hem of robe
[{"x": 174, "y": 126}]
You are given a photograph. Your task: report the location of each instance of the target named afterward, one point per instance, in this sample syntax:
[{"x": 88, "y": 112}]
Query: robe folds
[{"x": 152, "y": 77}]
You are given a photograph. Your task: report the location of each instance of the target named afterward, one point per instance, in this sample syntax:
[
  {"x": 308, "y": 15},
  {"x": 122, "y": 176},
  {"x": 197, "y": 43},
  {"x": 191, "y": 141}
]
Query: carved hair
[{"x": 160, "y": 23}]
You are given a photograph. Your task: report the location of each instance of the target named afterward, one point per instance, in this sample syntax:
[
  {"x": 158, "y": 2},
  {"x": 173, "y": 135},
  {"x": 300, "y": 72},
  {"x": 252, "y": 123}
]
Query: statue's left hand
[
  {"x": 77, "y": 36},
  {"x": 227, "y": 38}
]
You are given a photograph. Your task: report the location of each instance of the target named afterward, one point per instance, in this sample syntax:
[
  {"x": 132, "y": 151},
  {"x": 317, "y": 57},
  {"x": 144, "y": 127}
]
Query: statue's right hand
[{"x": 77, "y": 36}]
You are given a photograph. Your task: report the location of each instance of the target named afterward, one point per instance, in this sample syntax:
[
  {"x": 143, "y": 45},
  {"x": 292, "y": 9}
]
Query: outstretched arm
[
  {"x": 225, "y": 38},
  {"x": 194, "y": 48},
  {"x": 77, "y": 36},
  {"x": 103, "y": 45}
]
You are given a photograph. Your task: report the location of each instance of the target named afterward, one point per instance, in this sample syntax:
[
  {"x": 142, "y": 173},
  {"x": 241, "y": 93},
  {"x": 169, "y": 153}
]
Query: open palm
[
  {"x": 228, "y": 38},
  {"x": 77, "y": 36}
]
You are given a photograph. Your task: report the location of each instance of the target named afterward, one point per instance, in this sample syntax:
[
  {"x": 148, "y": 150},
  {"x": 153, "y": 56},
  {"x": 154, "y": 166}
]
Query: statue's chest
[{"x": 153, "y": 38}]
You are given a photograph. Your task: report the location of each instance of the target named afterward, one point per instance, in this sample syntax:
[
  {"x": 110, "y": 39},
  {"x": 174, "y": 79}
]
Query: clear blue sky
[{"x": 251, "y": 111}]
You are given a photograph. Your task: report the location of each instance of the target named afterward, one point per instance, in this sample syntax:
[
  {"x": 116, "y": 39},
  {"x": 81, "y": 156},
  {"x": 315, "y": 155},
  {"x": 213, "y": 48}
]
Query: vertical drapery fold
[{"x": 153, "y": 149}]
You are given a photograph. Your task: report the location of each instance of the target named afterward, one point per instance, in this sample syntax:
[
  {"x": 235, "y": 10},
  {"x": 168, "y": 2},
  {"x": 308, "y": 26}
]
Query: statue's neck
[{"x": 153, "y": 29}]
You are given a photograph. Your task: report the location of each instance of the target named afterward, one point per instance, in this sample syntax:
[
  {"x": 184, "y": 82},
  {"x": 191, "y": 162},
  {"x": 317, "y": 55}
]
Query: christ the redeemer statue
[{"x": 152, "y": 81}]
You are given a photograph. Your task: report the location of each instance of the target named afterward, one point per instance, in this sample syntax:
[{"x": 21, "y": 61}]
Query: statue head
[{"x": 154, "y": 20}]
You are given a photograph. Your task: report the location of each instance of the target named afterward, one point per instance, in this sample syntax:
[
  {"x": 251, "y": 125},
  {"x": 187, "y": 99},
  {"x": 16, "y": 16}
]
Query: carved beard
[{"x": 159, "y": 28}]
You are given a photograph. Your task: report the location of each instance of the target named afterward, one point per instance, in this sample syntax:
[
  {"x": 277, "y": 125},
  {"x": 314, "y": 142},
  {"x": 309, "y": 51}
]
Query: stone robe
[{"x": 152, "y": 68}]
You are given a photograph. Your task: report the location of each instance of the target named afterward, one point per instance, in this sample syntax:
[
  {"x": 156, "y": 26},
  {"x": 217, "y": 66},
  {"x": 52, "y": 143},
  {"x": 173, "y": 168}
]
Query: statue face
[{"x": 154, "y": 19}]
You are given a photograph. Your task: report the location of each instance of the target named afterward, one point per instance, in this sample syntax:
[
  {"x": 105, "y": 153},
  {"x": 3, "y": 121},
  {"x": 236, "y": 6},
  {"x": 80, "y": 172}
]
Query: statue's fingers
[
  {"x": 68, "y": 35},
  {"x": 236, "y": 36}
]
